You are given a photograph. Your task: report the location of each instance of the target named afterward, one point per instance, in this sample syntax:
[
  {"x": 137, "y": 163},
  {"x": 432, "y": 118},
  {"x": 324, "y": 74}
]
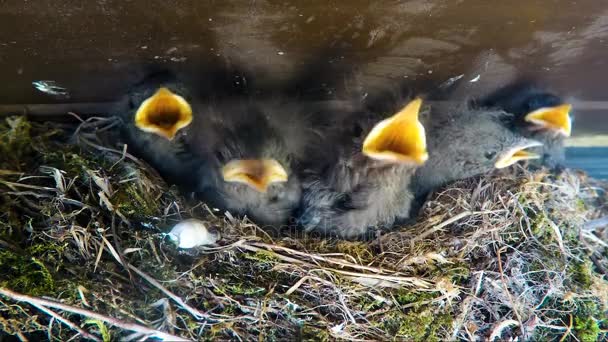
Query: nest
[{"x": 83, "y": 254}]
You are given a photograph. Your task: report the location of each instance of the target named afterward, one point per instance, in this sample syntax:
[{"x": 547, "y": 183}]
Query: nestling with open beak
[
  {"x": 235, "y": 155},
  {"x": 249, "y": 151},
  {"x": 361, "y": 179},
  {"x": 465, "y": 142},
  {"x": 538, "y": 115},
  {"x": 157, "y": 110}
]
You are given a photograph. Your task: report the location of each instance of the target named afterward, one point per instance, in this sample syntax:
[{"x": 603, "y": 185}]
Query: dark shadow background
[{"x": 96, "y": 49}]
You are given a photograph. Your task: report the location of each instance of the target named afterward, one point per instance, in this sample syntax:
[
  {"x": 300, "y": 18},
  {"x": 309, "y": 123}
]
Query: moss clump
[
  {"x": 587, "y": 329},
  {"x": 242, "y": 289},
  {"x": 263, "y": 256},
  {"x": 359, "y": 250},
  {"x": 417, "y": 325},
  {"x": 131, "y": 202},
  {"x": 406, "y": 297},
  {"x": 580, "y": 273},
  {"x": 587, "y": 318},
  {"x": 25, "y": 274},
  {"x": 15, "y": 143},
  {"x": 309, "y": 332}
]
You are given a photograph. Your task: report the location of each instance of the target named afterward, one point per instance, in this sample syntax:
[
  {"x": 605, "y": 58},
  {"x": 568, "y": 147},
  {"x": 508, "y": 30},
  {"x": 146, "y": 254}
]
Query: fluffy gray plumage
[
  {"x": 462, "y": 143},
  {"x": 220, "y": 132},
  {"x": 347, "y": 194},
  {"x": 248, "y": 131},
  {"x": 520, "y": 99}
]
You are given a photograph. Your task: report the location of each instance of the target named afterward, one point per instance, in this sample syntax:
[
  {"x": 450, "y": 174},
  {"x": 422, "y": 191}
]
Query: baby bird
[
  {"x": 249, "y": 152},
  {"x": 537, "y": 114},
  {"x": 465, "y": 142},
  {"x": 234, "y": 155},
  {"x": 360, "y": 182},
  {"x": 156, "y": 110}
]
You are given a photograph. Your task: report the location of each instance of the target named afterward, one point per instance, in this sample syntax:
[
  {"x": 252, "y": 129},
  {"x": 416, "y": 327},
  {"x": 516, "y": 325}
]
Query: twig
[
  {"x": 119, "y": 249},
  {"x": 596, "y": 261},
  {"x": 498, "y": 329},
  {"x": 194, "y": 312},
  {"x": 595, "y": 224},
  {"x": 568, "y": 330},
  {"x": 412, "y": 281},
  {"x": 320, "y": 257},
  {"x": 450, "y": 221},
  {"x": 65, "y": 321},
  {"x": 506, "y": 287},
  {"x": 110, "y": 320}
]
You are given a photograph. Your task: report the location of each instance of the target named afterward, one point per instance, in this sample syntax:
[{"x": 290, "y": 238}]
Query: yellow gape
[
  {"x": 553, "y": 118},
  {"x": 398, "y": 139},
  {"x": 164, "y": 113},
  {"x": 516, "y": 154},
  {"x": 257, "y": 173}
]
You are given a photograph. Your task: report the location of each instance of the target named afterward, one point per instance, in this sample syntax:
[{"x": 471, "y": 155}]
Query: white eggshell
[{"x": 192, "y": 233}]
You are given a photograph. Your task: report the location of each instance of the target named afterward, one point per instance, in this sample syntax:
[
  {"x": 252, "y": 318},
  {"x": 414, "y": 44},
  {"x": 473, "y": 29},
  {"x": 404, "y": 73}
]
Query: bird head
[
  {"x": 249, "y": 171},
  {"x": 470, "y": 143}
]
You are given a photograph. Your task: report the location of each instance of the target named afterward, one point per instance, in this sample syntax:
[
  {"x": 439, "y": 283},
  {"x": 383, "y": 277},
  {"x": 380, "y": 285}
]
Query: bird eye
[
  {"x": 274, "y": 199},
  {"x": 490, "y": 155},
  {"x": 357, "y": 130}
]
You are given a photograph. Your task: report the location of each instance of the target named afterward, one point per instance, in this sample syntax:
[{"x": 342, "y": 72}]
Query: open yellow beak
[
  {"x": 398, "y": 139},
  {"x": 554, "y": 118},
  {"x": 516, "y": 154},
  {"x": 164, "y": 113},
  {"x": 257, "y": 173}
]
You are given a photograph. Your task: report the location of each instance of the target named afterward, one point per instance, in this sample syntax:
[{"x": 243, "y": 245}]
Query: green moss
[
  {"x": 103, "y": 330},
  {"x": 15, "y": 143},
  {"x": 68, "y": 161},
  {"x": 359, "y": 250},
  {"x": 241, "y": 289},
  {"x": 417, "y": 325},
  {"x": 580, "y": 273},
  {"x": 541, "y": 229},
  {"x": 367, "y": 303},
  {"x": 25, "y": 274},
  {"x": 586, "y": 329},
  {"x": 20, "y": 143},
  {"x": 309, "y": 332},
  {"x": 586, "y": 320},
  {"x": 263, "y": 256},
  {"x": 407, "y": 297},
  {"x": 580, "y": 205},
  {"x": 131, "y": 200}
]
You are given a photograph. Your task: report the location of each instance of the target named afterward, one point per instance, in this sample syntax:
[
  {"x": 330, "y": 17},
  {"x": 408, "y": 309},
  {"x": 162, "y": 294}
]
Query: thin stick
[
  {"x": 506, "y": 288},
  {"x": 319, "y": 257},
  {"x": 441, "y": 225},
  {"x": 87, "y": 313},
  {"x": 397, "y": 279},
  {"x": 194, "y": 312},
  {"x": 65, "y": 321},
  {"x": 595, "y": 224}
]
